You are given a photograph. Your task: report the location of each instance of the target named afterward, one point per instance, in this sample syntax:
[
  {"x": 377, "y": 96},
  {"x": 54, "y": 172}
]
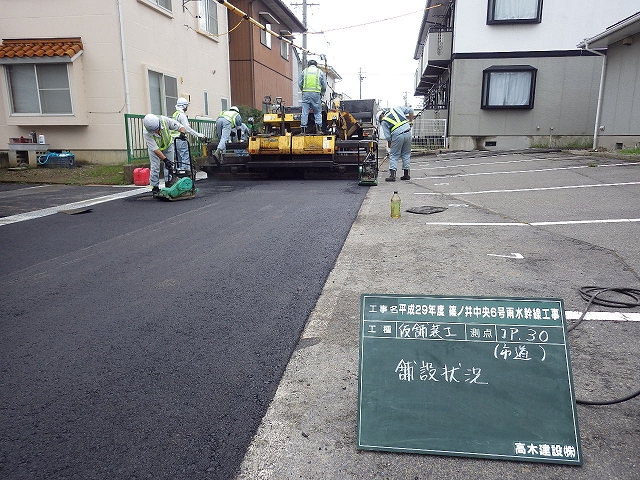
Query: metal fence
[
  {"x": 429, "y": 134},
  {"x": 137, "y": 147}
]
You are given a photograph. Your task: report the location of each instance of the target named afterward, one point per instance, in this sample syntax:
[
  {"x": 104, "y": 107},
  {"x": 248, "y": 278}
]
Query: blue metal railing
[{"x": 137, "y": 147}]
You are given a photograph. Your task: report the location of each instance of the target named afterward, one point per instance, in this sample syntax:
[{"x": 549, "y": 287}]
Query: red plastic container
[{"x": 141, "y": 176}]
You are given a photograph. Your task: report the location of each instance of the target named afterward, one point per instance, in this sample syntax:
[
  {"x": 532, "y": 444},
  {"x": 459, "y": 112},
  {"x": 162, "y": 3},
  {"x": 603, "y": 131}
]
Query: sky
[{"x": 377, "y": 41}]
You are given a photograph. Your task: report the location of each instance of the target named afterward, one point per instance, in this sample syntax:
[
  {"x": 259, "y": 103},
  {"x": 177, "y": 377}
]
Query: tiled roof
[{"x": 40, "y": 47}]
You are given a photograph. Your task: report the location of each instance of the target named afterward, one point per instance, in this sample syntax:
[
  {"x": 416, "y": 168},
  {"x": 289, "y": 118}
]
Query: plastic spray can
[{"x": 395, "y": 205}]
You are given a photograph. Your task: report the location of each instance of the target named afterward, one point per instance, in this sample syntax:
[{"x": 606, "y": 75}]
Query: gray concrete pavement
[{"x": 532, "y": 205}]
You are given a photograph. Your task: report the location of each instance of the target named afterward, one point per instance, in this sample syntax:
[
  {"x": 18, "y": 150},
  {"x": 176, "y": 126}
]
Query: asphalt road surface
[{"x": 146, "y": 339}]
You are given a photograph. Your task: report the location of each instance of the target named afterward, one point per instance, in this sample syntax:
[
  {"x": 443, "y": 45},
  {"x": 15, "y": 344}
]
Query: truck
[{"x": 347, "y": 146}]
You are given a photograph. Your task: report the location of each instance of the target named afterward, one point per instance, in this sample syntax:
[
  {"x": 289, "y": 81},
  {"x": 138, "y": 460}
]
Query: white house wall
[
  {"x": 567, "y": 79},
  {"x": 564, "y": 24},
  {"x": 167, "y": 43}
]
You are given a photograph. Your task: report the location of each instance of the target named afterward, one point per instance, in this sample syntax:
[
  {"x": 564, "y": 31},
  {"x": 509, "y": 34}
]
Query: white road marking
[
  {"x": 513, "y": 255},
  {"x": 537, "y": 189},
  {"x": 533, "y": 224},
  {"x": 605, "y": 316},
  {"x": 440, "y": 167},
  {"x": 538, "y": 170},
  {"x": 82, "y": 204}
]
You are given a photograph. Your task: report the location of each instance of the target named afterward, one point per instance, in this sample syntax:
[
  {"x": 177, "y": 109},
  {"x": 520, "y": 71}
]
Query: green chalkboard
[{"x": 467, "y": 376}]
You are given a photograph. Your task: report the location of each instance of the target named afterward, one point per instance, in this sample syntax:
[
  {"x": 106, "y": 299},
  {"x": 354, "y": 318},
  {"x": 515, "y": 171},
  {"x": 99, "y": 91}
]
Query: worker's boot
[
  {"x": 406, "y": 175},
  {"x": 319, "y": 129},
  {"x": 218, "y": 155},
  {"x": 391, "y": 177},
  {"x": 304, "y": 130}
]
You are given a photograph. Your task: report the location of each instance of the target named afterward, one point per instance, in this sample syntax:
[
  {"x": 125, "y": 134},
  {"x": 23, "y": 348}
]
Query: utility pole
[
  {"x": 361, "y": 79},
  {"x": 304, "y": 5}
]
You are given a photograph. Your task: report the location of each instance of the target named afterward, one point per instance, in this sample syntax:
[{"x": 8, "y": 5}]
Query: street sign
[{"x": 467, "y": 376}]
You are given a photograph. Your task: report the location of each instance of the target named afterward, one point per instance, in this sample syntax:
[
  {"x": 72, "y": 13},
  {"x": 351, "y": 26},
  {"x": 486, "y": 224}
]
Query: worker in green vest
[
  {"x": 396, "y": 125},
  {"x": 180, "y": 115},
  {"x": 158, "y": 135},
  {"x": 313, "y": 84},
  {"x": 227, "y": 121}
]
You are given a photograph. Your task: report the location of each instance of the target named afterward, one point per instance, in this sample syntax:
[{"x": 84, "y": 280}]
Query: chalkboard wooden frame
[{"x": 467, "y": 376}]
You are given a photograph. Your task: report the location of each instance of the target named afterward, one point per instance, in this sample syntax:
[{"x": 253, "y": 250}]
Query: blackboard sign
[{"x": 467, "y": 376}]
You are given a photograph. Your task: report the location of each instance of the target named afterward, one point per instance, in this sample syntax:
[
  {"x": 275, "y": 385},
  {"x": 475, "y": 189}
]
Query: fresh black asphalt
[{"x": 146, "y": 339}]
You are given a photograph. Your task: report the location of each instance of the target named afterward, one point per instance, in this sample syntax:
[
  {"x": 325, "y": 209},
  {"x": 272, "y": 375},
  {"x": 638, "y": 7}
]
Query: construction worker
[
  {"x": 228, "y": 120},
  {"x": 158, "y": 135},
  {"x": 396, "y": 126},
  {"x": 313, "y": 84},
  {"x": 180, "y": 115}
]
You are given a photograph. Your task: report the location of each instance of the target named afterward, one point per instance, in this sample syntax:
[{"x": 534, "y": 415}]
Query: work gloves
[
  {"x": 183, "y": 136},
  {"x": 204, "y": 139}
]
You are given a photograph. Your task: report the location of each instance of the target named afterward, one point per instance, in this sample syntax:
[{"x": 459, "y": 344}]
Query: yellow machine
[{"x": 348, "y": 144}]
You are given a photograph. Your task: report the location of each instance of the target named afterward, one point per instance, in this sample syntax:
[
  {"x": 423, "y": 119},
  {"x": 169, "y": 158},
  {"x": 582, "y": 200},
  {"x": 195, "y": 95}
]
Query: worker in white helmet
[
  {"x": 180, "y": 115},
  {"x": 226, "y": 121},
  {"x": 157, "y": 133}
]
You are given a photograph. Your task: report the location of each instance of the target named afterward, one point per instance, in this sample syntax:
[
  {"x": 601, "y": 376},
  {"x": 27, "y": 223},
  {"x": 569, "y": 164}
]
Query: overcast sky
[{"x": 379, "y": 39}]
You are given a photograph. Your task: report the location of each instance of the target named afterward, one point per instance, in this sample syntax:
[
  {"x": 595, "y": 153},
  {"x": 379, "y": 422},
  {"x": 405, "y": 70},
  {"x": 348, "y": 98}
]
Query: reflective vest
[
  {"x": 395, "y": 119},
  {"x": 165, "y": 135},
  {"x": 176, "y": 133},
  {"x": 230, "y": 115},
  {"x": 311, "y": 80}
]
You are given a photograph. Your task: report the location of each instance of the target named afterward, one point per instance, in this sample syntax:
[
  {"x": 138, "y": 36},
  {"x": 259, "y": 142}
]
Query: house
[
  {"x": 617, "y": 121},
  {"x": 261, "y": 64},
  {"x": 73, "y": 69},
  {"x": 507, "y": 73}
]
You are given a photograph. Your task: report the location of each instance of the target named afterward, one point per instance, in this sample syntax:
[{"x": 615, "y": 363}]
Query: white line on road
[
  {"x": 533, "y": 224},
  {"x": 82, "y": 204},
  {"x": 513, "y": 255},
  {"x": 537, "y": 170},
  {"x": 537, "y": 189},
  {"x": 605, "y": 316}
]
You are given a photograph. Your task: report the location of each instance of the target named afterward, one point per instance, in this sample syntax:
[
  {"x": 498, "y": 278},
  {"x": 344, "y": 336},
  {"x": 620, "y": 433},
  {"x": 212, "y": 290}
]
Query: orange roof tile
[{"x": 40, "y": 47}]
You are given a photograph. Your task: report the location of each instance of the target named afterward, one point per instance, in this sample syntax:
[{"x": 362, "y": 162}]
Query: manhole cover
[{"x": 426, "y": 209}]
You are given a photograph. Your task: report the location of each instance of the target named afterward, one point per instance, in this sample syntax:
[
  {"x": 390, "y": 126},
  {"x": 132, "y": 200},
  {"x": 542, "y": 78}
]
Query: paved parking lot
[{"x": 514, "y": 225}]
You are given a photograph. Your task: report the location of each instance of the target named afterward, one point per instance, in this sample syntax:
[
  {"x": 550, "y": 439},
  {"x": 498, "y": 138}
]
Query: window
[
  {"x": 284, "y": 49},
  {"x": 224, "y": 103},
  {"x": 42, "y": 89},
  {"x": 206, "y": 103},
  {"x": 166, "y": 4},
  {"x": 209, "y": 16},
  {"x": 508, "y": 86},
  {"x": 163, "y": 93},
  {"x": 514, "y": 11},
  {"x": 265, "y": 37}
]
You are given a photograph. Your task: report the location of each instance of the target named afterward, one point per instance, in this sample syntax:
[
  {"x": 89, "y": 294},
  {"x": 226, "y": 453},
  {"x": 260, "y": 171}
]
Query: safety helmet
[
  {"x": 235, "y": 109},
  {"x": 312, "y": 62},
  {"x": 182, "y": 103},
  {"x": 151, "y": 122}
]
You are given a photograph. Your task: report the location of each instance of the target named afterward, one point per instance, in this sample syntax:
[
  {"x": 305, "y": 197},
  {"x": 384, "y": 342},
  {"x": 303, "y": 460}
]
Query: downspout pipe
[
  {"x": 600, "y": 91},
  {"x": 127, "y": 96}
]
